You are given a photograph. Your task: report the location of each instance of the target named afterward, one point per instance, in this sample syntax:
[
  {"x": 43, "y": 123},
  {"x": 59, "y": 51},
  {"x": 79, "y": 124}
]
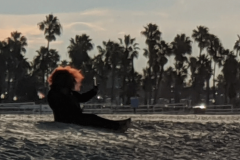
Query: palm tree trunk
[
  {"x": 177, "y": 89},
  {"x": 8, "y": 86},
  {"x": 43, "y": 78},
  {"x": 45, "y": 85},
  {"x": 48, "y": 43},
  {"x": 214, "y": 71},
  {"x": 113, "y": 84},
  {"x": 200, "y": 52},
  {"x": 226, "y": 92},
  {"x": 207, "y": 98},
  {"x": 145, "y": 97},
  {"x": 158, "y": 86},
  {"x": 133, "y": 78},
  {"x": 124, "y": 84}
]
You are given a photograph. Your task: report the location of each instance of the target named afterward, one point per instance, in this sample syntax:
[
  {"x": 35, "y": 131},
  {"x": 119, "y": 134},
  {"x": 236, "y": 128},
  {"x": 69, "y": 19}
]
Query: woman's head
[{"x": 66, "y": 77}]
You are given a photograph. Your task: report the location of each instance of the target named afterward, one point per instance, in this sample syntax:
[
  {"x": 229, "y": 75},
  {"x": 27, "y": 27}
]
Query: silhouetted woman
[{"x": 64, "y": 99}]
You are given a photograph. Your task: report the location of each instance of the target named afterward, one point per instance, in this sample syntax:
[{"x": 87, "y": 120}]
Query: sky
[{"x": 105, "y": 20}]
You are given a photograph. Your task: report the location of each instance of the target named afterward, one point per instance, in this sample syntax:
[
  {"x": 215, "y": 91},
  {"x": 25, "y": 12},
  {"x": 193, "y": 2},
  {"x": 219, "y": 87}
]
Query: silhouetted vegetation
[{"x": 188, "y": 77}]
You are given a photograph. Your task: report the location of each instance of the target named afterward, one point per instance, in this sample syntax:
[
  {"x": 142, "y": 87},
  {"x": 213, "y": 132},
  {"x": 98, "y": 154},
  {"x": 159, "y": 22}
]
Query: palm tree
[
  {"x": 193, "y": 68},
  {"x": 22, "y": 70},
  {"x": 230, "y": 69},
  {"x": 130, "y": 52},
  {"x": 102, "y": 70},
  {"x": 40, "y": 63},
  {"x": 3, "y": 66},
  {"x": 215, "y": 50},
  {"x": 78, "y": 50},
  {"x": 181, "y": 46},
  {"x": 113, "y": 54},
  {"x": 205, "y": 71},
  {"x": 88, "y": 71},
  {"x": 179, "y": 75},
  {"x": 153, "y": 36},
  {"x": 237, "y": 46},
  {"x": 14, "y": 49},
  {"x": 197, "y": 79},
  {"x": 51, "y": 27},
  {"x": 200, "y": 36},
  {"x": 45, "y": 62},
  {"x": 163, "y": 50}
]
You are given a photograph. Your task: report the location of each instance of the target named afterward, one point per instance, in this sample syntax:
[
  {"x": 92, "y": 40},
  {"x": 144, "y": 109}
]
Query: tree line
[{"x": 189, "y": 77}]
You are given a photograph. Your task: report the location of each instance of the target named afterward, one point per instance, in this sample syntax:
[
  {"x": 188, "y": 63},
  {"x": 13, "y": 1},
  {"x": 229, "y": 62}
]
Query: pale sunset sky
[{"x": 111, "y": 19}]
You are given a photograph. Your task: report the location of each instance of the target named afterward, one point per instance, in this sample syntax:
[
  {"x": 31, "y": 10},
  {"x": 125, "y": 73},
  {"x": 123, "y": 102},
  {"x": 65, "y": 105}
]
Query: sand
[{"x": 34, "y": 137}]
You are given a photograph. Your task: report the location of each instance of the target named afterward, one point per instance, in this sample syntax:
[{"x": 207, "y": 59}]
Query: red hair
[{"x": 74, "y": 72}]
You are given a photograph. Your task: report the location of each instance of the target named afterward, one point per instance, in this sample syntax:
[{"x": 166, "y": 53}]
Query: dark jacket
[{"x": 66, "y": 107}]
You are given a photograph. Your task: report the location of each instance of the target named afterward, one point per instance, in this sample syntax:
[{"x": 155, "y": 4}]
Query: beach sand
[{"x": 33, "y": 137}]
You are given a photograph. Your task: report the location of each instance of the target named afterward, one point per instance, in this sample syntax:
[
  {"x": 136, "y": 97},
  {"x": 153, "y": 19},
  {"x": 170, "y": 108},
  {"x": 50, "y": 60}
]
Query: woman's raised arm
[{"x": 84, "y": 97}]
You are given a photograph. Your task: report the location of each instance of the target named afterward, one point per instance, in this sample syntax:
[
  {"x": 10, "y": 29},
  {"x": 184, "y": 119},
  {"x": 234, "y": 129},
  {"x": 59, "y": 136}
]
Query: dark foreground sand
[{"x": 32, "y": 137}]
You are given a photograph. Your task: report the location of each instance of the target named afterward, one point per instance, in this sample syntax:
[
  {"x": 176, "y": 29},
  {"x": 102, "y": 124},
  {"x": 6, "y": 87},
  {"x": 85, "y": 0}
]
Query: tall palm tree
[
  {"x": 130, "y": 52},
  {"x": 179, "y": 76},
  {"x": 113, "y": 54},
  {"x": 163, "y": 51},
  {"x": 40, "y": 63},
  {"x": 102, "y": 70},
  {"x": 14, "y": 50},
  {"x": 153, "y": 36},
  {"x": 230, "y": 69},
  {"x": 78, "y": 50},
  {"x": 215, "y": 50},
  {"x": 200, "y": 36},
  {"x": 197, "y": 79},
  {"x": 2, "y": 69},
  {"x": 51, "y": 27},
  {"x": 22, "y": 70},
  {"x": 205, "y": 71},
  {"x": 181, "y": 47}
]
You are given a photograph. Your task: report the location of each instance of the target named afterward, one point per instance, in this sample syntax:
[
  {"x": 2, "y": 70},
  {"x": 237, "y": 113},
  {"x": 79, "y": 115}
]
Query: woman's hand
[{"x": 95, "y": 88}]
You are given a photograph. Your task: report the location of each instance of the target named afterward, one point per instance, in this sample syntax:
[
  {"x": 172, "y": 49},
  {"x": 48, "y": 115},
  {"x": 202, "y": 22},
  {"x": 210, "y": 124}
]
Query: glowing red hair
[{"x": 74, "y": 72}]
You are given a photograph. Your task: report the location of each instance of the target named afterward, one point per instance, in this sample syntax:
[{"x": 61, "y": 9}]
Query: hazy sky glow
[{"x": 111, "y": 19}]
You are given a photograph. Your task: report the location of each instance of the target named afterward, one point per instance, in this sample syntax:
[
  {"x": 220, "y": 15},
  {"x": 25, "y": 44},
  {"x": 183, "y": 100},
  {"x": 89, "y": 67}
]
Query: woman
[{"x": 64, "y": 99}]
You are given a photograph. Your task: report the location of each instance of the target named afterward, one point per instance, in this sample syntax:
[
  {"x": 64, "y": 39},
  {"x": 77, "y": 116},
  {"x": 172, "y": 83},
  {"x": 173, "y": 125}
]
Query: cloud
[
  {"x": 90, "y": 25},
  {"x": 121, "y": 33},
  {"x": 95, "y": 12}
]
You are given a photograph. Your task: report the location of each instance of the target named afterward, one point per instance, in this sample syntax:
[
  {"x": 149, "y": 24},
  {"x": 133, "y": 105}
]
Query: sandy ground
[{"x": 153, "y": 137}]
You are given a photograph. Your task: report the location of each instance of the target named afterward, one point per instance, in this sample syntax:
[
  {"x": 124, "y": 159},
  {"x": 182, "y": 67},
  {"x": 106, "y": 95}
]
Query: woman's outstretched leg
[{"x": 96, "y": 121}]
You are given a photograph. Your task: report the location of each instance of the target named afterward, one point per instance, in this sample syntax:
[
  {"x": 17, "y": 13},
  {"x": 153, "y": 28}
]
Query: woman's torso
[{"x": 65, "y": 106}]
